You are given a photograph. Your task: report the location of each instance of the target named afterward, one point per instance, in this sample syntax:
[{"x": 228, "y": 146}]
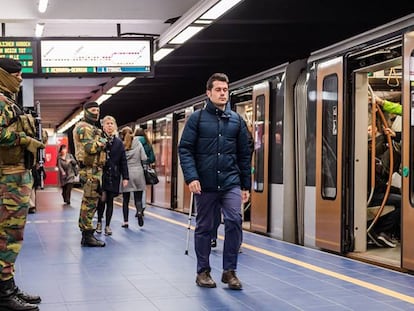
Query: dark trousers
[
  {"x": 208, "y": 204},
  {"x": 109, "y": 202},
  {"x": 217, "y": 222},
  {"x": 66, "y": 192},
  {"x": 125, "y": 203},
  {"x": 391, "y": 222}
]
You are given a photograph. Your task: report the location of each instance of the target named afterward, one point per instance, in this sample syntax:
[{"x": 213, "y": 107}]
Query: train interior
[{"x": 380, "y": 79}]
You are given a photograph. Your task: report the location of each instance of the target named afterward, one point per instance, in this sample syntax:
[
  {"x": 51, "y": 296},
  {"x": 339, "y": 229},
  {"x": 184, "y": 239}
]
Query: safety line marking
[{"x": 355, "y": 281}]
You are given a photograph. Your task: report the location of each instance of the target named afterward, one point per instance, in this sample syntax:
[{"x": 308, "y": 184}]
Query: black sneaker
[
  {"x": 213, "y": 243},
  {"x": 374, "y": 239},
  {"x": 386, "y": 240}
]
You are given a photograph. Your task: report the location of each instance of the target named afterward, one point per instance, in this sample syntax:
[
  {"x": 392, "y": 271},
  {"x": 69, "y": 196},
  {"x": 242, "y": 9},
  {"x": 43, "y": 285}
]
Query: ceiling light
[
  {"x": 161, "y": 53},
  {"x": 39, "y": 29},
  {"x": 42, "y": 6},
  {"x": 114, "y": 90},
  {"x": 190, "y": 23},
  {"x": 203, "y": 21},
  {"x": 125, "y": 81},
  {"x": 71, "y": 122},
  {"x": 186, "y": 34},
  {"x": 219, "y": 9},
  {"x": 102, "y": 98}
]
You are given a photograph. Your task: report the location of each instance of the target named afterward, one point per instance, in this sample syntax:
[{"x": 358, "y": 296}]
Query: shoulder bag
[{"x": 151, "y": 177}]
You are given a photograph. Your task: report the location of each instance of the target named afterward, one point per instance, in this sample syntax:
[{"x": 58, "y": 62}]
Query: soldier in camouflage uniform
[
  {"x": 90, "y": 152},
  {"x": 17, "y": 146}
]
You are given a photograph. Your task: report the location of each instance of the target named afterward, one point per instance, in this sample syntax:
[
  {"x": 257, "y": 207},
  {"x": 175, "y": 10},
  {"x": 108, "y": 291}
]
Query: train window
[
  {"x": 329, "y": 136},
  {"x": 259, "y": 132}
]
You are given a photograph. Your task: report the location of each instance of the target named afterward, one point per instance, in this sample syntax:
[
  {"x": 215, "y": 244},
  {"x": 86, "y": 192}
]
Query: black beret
[
  {"x": 90, "y": 105},
  {"x": 10, "y": 65}
]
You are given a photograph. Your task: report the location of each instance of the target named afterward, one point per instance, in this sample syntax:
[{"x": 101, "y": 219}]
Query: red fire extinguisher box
[{"x": 51, "y": 154}]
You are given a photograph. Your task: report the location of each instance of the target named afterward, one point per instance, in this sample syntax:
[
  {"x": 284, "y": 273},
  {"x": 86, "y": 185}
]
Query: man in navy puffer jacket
[{"x": 215, "y": 159}]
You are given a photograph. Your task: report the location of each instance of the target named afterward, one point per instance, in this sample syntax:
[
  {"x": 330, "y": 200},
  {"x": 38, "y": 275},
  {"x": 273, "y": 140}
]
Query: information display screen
[
  {"x": 23, "y": 50},
  {"x": 110, "y": 56}
]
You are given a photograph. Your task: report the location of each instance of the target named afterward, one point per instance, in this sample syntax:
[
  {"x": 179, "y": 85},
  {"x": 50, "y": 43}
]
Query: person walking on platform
[
  {"x": 90, "y": 152},
  {"x": 135, "y": 155},
  {"x": 18, "y": 150},
  {"x": 115, "y": 167},
  {"x": 37, "y": 172},
  {"x": 215, "y": 160},
  {"x": 149, "y": 151},
  {"x": 66, "y": 164}
]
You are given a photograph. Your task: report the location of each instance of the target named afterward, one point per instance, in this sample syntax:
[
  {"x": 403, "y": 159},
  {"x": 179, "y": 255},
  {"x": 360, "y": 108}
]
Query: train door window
[
  {"x": 259, "y": 128},
  {"x": 329, "y": 136}
]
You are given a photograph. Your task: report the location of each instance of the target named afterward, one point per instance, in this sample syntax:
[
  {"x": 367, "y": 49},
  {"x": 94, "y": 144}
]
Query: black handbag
[{"x": 150, "y": 174}]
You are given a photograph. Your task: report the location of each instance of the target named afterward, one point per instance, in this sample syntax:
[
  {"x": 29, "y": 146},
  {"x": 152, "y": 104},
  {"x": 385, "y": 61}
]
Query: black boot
[
  {"x": 10, "y": 301},
  {"x": 25, "y": 296},
  {"x": 88, "y": 239}
]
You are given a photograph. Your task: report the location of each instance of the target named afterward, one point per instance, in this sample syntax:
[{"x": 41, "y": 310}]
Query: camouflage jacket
[
  {"x": 89, "y": 144},
  {"x": 11, "y": 130}
]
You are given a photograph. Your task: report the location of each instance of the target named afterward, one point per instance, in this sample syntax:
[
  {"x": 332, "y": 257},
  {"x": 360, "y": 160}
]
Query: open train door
[
  {"x": 260, "y": 179},
  {"x": 408, "y": 153},
  {"x": 329, "y": 137}
]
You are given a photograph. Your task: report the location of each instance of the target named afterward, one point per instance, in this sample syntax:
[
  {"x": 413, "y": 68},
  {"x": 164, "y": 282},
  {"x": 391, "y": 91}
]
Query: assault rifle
[{"x": 40, "y": 152}]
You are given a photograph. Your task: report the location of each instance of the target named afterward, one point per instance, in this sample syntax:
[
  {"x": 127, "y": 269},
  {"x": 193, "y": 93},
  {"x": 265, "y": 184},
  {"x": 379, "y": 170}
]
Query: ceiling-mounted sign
[
  {"x": 96, "y": 56},
  {"x": 23, "y": 50}
]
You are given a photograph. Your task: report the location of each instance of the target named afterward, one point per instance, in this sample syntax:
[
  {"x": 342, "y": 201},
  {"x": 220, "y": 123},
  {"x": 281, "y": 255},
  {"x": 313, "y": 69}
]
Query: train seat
[{"x": 373, "y": 210}]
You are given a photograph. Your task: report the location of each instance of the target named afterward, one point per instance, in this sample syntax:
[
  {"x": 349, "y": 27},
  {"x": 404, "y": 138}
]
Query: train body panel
[
  {"x": 408, "y": 151},
  {"x": 311, "y": 176},
  {"x": 309, "y": 217}
]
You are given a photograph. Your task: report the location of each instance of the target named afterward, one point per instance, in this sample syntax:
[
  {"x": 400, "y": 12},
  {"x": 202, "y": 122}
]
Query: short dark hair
[{"x": 216, "y": 77}]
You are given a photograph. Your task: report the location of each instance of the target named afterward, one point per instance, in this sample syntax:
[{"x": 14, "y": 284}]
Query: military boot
[
  {"x": 10, "y": 301},
  {"x": 25, "y": 296},
  {"x": 88, "y": 239}
]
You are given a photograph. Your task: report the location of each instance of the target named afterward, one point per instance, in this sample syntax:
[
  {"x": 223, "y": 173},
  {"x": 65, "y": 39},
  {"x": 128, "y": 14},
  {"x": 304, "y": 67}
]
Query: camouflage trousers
[
  {"x": 14, "y": 203},
  {"x": 91, "y": 181}
]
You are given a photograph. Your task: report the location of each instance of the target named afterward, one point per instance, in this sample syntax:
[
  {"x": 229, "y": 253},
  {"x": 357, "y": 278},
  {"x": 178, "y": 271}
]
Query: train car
[{"x": 312, "y": 173}]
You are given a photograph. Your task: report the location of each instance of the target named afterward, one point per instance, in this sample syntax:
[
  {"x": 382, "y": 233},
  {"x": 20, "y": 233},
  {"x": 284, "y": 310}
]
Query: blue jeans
[{"x": 208, "y": 205}]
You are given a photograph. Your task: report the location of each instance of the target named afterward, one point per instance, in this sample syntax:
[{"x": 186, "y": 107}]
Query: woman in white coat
[{"x": 135, "y": 155}]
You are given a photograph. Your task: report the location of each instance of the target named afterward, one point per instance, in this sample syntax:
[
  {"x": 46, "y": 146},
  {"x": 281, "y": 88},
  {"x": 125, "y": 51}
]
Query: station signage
[
  {"x": 111, "y": 56},
  {"x": 66, "y": 57},
  {"x": 23, "y": 50}
]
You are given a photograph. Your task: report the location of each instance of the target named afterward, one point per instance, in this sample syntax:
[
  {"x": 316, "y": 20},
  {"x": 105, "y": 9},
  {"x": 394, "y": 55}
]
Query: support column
[{"x": 28, "y": 92}]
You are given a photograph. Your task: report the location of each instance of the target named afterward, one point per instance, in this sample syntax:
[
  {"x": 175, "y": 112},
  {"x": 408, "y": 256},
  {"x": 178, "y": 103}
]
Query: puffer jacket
[{"x": 214, "y": 149}]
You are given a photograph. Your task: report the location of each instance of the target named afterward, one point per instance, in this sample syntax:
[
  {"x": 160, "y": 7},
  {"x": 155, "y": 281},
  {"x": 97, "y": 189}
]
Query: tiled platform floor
[{"x": 146, "y": 269}]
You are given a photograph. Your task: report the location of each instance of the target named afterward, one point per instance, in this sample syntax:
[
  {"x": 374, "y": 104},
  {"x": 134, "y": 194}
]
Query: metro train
[{"x": 309, "y": 120}]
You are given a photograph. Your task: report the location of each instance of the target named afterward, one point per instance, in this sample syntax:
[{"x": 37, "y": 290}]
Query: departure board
[
  {"x": 23, "y": 50},
  {"x": 110, "y": 56}
]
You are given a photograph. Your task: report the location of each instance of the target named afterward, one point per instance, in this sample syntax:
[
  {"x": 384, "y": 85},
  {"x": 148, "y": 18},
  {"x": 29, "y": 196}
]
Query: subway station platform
[{"x": 146, "y": 268}]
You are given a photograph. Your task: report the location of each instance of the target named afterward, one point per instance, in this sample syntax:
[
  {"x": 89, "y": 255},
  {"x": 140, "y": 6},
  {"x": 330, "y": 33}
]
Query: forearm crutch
[{"x": 189, "y": 223}]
